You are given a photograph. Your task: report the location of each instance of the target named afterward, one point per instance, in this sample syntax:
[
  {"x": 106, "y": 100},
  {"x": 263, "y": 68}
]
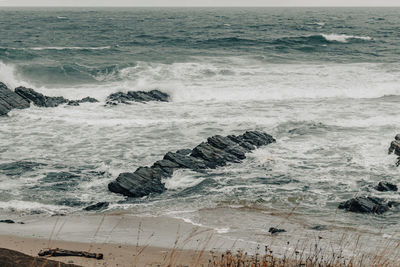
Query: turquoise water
[{"x": 323, "y": 81}]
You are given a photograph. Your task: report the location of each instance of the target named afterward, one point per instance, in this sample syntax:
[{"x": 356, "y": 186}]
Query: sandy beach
[
  {"x": 127, "y": 240},
  {"x": 123, "y": 240}
]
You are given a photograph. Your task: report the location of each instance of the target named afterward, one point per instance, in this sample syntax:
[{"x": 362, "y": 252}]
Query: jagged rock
[
  {"x": 366, "y": 205},
  {"x": 39, "y": 99},
  {"x": 274, "y": 230},
  {"x": 97, "y": 206},
  {"x": 386, "y": 186},
  {"x": 142, "y": 182},
  {"x": 136, "y": 96},
  {"x": 10, "y": 100},
  {"x": 213, "y": 157},
  {"x": 217, "y": 151}
]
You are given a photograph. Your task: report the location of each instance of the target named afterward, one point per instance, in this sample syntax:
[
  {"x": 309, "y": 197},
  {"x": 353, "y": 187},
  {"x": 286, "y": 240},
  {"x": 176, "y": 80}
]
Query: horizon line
[{"x": 194, "y": 6}]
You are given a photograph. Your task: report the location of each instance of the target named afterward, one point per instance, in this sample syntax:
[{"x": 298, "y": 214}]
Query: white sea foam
[
  {"x": 182, "y": 179},
  {"x": 9, "y": 76},
  {"x": 23, "y": 206},
  {"x": 343, "y": 38}
]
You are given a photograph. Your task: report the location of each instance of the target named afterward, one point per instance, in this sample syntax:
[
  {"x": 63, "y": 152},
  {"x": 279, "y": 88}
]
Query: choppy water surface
[{"x": 323, "y": 82}]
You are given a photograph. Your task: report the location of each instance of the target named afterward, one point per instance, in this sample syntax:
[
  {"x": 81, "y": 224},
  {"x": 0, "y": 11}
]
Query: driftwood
[{"x": 64, "y": 253}]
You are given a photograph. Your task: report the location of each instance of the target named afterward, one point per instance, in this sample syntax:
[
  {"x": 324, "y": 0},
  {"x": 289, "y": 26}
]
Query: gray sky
[{"x": 199, "y": 3}]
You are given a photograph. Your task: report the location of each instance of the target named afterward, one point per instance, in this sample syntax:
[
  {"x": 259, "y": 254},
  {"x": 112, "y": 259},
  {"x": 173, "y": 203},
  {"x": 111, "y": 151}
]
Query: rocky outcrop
[
  {"x": 39, "y": 99},
  {"x": 367, "y": 205},
  {"x": 217, "y": 151},
  {"x": 386, "y": 186},
  {"x": 395, "y": 148},
  {"x": 10, "y": 100},
  {"x": 136, "y": 96}
]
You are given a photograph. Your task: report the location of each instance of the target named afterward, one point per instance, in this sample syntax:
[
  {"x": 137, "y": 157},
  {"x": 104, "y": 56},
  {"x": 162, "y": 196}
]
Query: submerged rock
[
  {"x": 217, "y": 151},
  {"x": 386, "y": 186},
  {"x": 10, "y": 100},
  {"x": 366, "y": 205},
  {"x": 39, "y": 99},
  {"x": 274, "y": 230},
  {"x": 7, "y": 221},
  {"x": 97, "y": 206},
  {"x": 136, "y": 96}
]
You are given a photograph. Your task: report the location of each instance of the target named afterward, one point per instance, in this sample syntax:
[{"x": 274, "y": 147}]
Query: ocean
[{"x": 323, "y": 81}]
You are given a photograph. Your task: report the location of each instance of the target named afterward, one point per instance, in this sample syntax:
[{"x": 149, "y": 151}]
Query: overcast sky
[{"x": 199, "y": 2}]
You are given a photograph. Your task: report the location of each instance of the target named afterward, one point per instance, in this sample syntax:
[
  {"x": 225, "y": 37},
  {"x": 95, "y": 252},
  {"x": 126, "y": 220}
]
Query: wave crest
[{"x": 343, "y": 38}]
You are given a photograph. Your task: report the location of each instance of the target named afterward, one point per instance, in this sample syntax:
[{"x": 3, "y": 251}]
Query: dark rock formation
[
  {"x": 10, "y": 100},
  {"x": 136, "y": 96},
  {"x": 97, "y": 206},
  {"x": 142, "y": 182},
  {"x": 386, "y": 186},
  {"x": 83, "y": 100},
  {"x": 22, "y": 97},
  {"x": 274, "y": 230},
  {"x": 395, "y": 148},
  {"x": 39, "y": 99},
  {"x": 367, "y": 205},
  {"x": 7, "y": 221},
  {"x": 217, "y": 151}
]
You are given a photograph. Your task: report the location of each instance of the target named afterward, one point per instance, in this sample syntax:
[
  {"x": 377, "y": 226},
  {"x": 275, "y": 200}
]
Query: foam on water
[{"x": 343, "y": 38}]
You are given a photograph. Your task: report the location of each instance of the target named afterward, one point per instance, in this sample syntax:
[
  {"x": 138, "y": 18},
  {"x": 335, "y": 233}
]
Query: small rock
[
  {"x": 274, "y": 230},
  {"x": 319, "y": 227},
  {"x": 386, "y": 186},
  {"x": 97, "y": 206},
  {"x": 366, "y": 205},
  {"x": 7, "y": 221}
]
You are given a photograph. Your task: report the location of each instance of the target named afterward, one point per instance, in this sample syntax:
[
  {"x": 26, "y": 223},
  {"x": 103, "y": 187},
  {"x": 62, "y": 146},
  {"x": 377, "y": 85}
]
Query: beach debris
[
  {"x": 395, "y": 148},
  {"x": 367, "y": 204},
  {"x": 274, "y": 230},
  {"x": 57, "y": 252},
  {"x": 386, "y": 186},
  {"x": 216, "y": 152},
  {"x": 97, "y": 206},
  {"x": 136, "y": 96},
  {"x": 10, "y": 100},
  {"x": 13, "y": 258}
]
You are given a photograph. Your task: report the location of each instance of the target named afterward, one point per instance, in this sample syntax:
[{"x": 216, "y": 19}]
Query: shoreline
[{"x": 157, "y": 241}]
